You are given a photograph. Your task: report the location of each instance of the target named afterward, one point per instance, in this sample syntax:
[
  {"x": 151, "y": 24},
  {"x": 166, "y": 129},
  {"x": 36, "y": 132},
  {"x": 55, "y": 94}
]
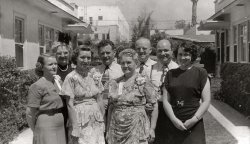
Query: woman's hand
[
  {"x": 190, "y": 122},
  {"x": 151, "y": 135},
  {"x": 179, "y": 124}
]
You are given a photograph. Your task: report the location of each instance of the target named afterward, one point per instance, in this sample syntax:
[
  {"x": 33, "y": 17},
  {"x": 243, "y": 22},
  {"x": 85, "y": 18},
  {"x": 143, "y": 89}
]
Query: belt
[{"x": 50, "y": 112}]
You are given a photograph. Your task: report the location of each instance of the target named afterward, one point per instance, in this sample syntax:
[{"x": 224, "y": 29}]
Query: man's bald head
[
  {"x": 143, "y": 48},
  {"x": 164, "y": 51},
  {"x": 164, "y": 43}
]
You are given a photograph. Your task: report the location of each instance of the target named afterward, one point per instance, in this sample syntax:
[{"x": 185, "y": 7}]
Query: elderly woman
[
  {"x": 129, "y": 94},
  {"x": 62, "y": 53},
  {"x": 82, "y": 87},
  {"x": 184, "y": 88},
  {"x": 44, "y": 111}
]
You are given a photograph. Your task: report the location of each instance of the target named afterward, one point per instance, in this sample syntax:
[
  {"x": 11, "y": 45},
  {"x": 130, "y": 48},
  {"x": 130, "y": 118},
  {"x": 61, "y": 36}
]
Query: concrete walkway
[{"x": 234, "y": 123}]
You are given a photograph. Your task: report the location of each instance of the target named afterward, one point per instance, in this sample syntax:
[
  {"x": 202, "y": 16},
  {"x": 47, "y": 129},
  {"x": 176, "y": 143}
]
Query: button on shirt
[
  {"x": 147, "y": 66},
  {"x": 157, "y": 77}
]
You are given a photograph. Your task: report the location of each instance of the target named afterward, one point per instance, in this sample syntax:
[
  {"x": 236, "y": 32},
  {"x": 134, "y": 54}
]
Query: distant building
[
  {"x": 231, "y": 22},
  {"x": 29, "y": 28},
  {"x": 107, "y": 22}
]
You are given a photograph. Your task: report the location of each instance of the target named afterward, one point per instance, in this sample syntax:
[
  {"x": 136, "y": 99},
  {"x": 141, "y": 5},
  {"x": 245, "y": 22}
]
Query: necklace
[{"x": 64, "y": 69}]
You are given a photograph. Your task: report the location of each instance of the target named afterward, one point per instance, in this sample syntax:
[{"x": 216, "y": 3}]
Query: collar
[
  {"x": 149, "y": 62},
  {"x": 171, "y": 65},
  {"x": 110, "y": 66}
]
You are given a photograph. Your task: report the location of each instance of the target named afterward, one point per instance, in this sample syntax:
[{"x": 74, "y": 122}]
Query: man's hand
[{"x": 151, "y": 135}]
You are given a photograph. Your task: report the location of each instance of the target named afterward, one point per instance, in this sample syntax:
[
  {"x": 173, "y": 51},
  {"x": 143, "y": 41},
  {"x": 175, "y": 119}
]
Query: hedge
[
  {"x": 14, "y": 85},
  {"x": 235, "y": 86}
]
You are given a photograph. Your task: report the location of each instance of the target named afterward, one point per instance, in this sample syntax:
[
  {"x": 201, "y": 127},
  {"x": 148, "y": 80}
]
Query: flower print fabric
[
  {"x": 90, "y": 123},
  {"x": 129, "y": 123}
]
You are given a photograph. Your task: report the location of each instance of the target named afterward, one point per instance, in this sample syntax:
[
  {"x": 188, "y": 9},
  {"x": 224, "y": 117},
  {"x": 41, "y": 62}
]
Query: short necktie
[
  {"x": 164, "y": 72},
  {"x": 141, "y": 67},
  {"x": 105, "y": 79}
]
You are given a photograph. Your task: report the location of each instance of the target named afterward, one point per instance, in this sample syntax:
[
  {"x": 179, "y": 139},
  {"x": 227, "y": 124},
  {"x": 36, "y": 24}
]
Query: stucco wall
[{"x": 32, "y": 16}]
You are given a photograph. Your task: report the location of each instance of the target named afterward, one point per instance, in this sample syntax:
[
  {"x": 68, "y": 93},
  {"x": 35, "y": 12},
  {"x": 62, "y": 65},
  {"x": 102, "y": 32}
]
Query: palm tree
[{"x": 194, "y": 12}]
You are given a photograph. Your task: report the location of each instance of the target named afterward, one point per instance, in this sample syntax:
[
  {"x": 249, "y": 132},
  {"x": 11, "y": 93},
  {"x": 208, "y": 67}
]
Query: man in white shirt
[
  {"x": 159, "y": 70},
  {"x": 144, "y": 49}
]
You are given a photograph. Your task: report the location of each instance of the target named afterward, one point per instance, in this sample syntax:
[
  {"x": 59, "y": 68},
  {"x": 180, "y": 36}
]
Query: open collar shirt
[
  {"x": 156, "y": 75},
  {"x": 114, "y": 70},
  {"x": 147, "y": 66}
]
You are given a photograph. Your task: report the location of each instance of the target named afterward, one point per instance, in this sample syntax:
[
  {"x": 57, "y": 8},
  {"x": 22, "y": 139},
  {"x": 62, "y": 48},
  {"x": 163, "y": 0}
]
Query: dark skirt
[
  {"x": 167, "y": 133},
  {"x": 162, "y": 126},
  {"x": 49, "y": 129}
]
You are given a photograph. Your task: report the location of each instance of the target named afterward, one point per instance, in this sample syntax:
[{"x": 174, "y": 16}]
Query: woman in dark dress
[{"x": 186, "y": 98}]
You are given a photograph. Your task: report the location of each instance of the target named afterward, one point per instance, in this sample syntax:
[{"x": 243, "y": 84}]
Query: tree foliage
[{"x": 142, "y": 27}]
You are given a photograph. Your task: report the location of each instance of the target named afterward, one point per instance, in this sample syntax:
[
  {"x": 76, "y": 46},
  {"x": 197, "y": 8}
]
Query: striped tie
[
  {"x": 141, "y": 67},
  {"x": 105, "y": 79}
]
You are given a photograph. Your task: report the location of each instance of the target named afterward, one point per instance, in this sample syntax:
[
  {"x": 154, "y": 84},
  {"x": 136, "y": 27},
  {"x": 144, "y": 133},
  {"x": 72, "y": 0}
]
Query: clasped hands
[{"x": 186, "y": 125}]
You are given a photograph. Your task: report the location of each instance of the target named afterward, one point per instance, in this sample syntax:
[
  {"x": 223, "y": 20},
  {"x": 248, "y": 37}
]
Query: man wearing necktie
[
  {"x": 144, "y": 49},
  {"x": 109, "y": 70},
  {"x": 159, "y": 70}
]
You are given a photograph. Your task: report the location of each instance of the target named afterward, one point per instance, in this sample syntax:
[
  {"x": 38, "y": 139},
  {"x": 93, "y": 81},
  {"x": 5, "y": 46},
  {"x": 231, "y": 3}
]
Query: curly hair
[
  {"x": 104, "y": 43},
  {"x": 76, "y": 52},
  {"x": 57, "y": 45},
  {"x": 40, "y": 63},
  {"x": 189, "y": 48},
  {"x": 130, "y": 53}
]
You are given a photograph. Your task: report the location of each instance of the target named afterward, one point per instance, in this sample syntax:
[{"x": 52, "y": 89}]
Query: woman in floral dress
[
  {"x": 129, "y": 95},
  {"x": 83, "y": 87}
]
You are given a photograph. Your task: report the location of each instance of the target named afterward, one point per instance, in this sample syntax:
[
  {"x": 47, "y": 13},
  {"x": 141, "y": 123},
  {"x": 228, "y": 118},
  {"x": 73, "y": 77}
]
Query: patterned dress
[
  {"x": 129, "y": 123},
  {"x": 90, "y": 121}
]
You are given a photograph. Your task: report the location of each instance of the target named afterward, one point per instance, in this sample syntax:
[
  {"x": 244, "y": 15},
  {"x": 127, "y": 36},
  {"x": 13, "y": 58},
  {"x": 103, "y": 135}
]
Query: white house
[
  {"x": 231, "y": 22},
  {"x": 29, "y": 27},
  {"x": 108, "y": 22}
]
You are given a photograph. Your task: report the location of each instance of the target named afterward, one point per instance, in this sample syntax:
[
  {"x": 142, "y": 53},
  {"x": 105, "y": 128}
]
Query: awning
[
  {"x": 195, "y": 38},
  {"x": 81, "y": 28},
  {"x": 225, "y": 9},
  {"x": 213, "y": 25}
]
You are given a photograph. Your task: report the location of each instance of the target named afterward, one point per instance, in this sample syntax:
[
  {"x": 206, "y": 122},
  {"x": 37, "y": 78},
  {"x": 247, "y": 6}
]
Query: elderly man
[
  {"x": 143, "y": 48},
  {"x": 109, "y": 70},
  {"x": 165, "y": 63}
]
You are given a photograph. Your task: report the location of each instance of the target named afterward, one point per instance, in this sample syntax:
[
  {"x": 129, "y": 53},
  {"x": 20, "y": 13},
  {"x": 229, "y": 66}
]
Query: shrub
[
  {"x": 235, "y": 86},
  {"x": 14, "y": 85}
]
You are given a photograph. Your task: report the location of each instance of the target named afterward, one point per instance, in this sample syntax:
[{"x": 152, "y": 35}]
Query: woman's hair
[
  {"x": 57, "y": 45},
  {"x": 189, "y": 48},
  {"x": 130, "y": 53},
  {"x": 76, "y": 52},
  {"x": 40, "y": 63}
]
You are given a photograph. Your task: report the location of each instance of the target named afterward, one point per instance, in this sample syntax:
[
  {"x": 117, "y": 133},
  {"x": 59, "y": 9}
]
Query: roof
[{"x": 196, "y": 38}]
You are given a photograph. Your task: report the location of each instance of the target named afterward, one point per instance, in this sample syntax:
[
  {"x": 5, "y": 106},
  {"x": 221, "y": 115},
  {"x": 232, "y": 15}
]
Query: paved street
[{"x": 223, "y": 125}]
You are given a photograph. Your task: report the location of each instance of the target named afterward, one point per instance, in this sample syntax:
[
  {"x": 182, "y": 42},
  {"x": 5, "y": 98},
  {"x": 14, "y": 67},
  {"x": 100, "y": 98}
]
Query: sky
[{"x": 164, "y": 11}]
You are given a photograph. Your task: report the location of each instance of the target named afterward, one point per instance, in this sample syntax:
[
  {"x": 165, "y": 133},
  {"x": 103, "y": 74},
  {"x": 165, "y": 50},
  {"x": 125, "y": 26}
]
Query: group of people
[{"x": 135, "y": 100}]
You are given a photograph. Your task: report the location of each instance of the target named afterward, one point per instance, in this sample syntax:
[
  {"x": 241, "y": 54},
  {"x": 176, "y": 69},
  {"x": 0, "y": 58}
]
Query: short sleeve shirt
[
  {"x": 185, "y": 88},
  {"x": 44, "y": 95}
]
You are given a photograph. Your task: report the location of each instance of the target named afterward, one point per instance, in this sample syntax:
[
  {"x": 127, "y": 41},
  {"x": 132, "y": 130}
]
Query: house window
[
  {"x": 227, "y": 45},
  {"x": 248, "y": 41},
  {"x": 91, "y": 20},
  {"x": 100, "y": 18},
  {"x": 243, "y": 41},
  {"x": 218, "y": 45},
  {"x": 96, "y": 36},
  {"x": 49, "y": 39},
  {"x": 47, "y": 36},
  {"x": 19, "y": 40},
  {"x": 235, "y": 43},
  {"x": 81, "y": 18},
  {"x": 41, "y": 38}
]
